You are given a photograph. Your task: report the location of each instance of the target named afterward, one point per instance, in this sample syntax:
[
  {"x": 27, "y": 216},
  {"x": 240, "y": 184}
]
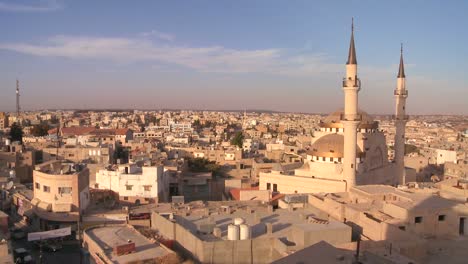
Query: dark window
[
  {"x": 46, "y": 188},
  {"x": 268, "y": 186},
  {"x": 441, "y": 218},
  {"x": 147, "y": 187},
  {"x": 67, "y": 190},
  {"x": 275, "y": 187},
  {"x": 402, "y": 228},
  {"x": 129, "y": 187},
  {"x": 418, "y": 219},
  {"x": 125, "y": 198},
  {"x": 38, "y": 185}
]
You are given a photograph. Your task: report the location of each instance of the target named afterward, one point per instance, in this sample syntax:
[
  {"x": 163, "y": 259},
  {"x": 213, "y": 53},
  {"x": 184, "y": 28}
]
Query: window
[
  {"x": 418, "y": 219},
  {"x": 268, "y": 186},
  {"x": 38, "y": 186},
  {"x": 46, "y": 188},
  {"x": 275, "y": 187},
  {"x": 129, "y": 187},
  {"x": 339, "y": 159},
  {"x": 125, "y": 198},
  {"x": 323, "y": 158},
  {"x": 441, "y": 218},
  {"x": 66, "y": 190},
  {"x": 402, "y": 228},
  {"x": 147, "y": 199},
  {"x": 147, "y": 188}
]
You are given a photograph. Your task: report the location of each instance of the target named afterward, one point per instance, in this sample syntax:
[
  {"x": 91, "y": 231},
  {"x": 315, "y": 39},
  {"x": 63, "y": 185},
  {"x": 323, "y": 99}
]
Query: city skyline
[{"x": 258, "y": 55}]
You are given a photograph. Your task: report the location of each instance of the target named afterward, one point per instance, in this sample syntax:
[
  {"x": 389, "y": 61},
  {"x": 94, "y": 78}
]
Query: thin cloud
[
  {"x": 159, "y": 35},
  {"x": 44, "y": 6},
  {"x": 217, "y": 59}
]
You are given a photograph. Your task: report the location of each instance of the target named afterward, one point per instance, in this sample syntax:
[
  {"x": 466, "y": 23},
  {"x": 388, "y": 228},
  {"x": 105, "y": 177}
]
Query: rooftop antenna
[{"x": 17, "y": 99}]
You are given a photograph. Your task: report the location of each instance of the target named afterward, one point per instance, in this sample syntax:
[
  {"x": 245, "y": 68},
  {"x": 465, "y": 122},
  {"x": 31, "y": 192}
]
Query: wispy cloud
[
  {"x": 203, "y": 59},
  {"x": 158, "y": 34},
  {"x": 42, "y": 6}
]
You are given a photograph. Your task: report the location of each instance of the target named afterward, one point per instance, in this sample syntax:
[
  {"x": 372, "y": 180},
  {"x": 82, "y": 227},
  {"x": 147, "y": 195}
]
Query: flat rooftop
[
  {"x": 255, "y": 216},
  {"x": 109, "y": 237}
]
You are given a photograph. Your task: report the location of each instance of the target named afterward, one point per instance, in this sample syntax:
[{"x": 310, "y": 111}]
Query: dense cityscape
[{"x": 120, "y": 185}]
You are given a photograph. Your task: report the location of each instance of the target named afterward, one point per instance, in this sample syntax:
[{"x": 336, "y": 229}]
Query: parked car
[
  {"x": 22, "y": 256},
  {"x": 48, "y": 245},
  {"x": 18, "y": 234}
]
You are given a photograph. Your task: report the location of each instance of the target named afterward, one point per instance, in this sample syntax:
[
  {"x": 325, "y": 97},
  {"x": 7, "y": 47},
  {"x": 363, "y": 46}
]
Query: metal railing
[
  {"x": 356, "y": 117},
  {"x": 357, "y": 82},
  {"x": 397, "y": 92},
  {"x": 400, "y": 117}
]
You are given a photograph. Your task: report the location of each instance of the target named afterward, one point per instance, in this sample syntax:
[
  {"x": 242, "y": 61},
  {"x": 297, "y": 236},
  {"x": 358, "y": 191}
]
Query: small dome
[
  {"x": 331, "y": 145},
  {"x": 334, "y": 120}
]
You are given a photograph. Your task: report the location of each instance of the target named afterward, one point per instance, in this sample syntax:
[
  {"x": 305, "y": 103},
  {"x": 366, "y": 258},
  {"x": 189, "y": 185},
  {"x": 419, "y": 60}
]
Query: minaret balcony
[
  {"x": 351, "y": 83},
  {"x": 356, "y": 117},
  {"x": 400, "y": 117},
  {"x": 401, "y": 92}
]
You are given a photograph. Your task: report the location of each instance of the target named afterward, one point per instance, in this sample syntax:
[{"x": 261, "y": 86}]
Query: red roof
[
  {"x": 235, "y": 193},
  {"x": 76, "y": 131}
]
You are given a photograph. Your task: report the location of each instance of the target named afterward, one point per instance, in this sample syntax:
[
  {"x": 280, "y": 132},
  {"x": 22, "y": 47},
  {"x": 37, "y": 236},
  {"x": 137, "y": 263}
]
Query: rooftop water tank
[
  {"x": 238, "y": 221},
  {"x": 245, "y": 232},
  {"x": 233, "y": 232}
]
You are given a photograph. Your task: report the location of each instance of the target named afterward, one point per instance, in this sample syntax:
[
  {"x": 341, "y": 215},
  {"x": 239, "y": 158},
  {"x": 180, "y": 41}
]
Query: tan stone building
[
  {"x": 3, "y": 120},
  {"x": 61, "y": 192}
]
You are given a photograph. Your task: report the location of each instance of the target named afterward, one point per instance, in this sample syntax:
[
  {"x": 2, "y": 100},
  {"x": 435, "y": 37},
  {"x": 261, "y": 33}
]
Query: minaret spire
[
  {"x": 400, "y": 118},
  {"x": 351, "y": 117},
  {"x": 401, "y": 70},
  {"x": 352, "y": 49}
]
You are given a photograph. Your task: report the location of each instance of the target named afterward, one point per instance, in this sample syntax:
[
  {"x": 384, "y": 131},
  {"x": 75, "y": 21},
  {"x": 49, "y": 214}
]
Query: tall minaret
[
  {"x": 400, "y": 118},
  {"x": 350, "y": 119},
  {"x": 18, "y": 109}
]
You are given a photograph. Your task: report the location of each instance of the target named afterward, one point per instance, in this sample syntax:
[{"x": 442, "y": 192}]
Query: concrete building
[
  {"x": 123, "y": 244},
  {"x": 247, "y": 232},
  {"x": 3, "y": 120},
  {"x": 61, "y": 192},
  {"x": 136, "y": 185},
  {"x": 410, "y": 219}
]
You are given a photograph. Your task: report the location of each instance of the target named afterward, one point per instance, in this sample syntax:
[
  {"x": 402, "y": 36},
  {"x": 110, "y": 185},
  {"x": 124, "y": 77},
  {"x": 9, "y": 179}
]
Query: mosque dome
[
  {"x": 330, "y": 146},
  {"x": 334, "y": 120}
]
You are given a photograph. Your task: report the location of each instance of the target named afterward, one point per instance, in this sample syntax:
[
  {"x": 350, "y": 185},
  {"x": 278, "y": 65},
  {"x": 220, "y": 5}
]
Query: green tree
[
  {"x": 16, "y": 133},
  {"x": 238, "y": 139},
  {"x": 410, "y": 149},
  {"x": 40, "y": 130}
]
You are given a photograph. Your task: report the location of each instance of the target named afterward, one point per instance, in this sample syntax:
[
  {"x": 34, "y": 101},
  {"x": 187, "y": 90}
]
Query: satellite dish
[{"x": 9, "y": 185}]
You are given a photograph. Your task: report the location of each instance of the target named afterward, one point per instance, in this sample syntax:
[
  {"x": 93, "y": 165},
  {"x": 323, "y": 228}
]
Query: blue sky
[{"x": 277, "y": 55}]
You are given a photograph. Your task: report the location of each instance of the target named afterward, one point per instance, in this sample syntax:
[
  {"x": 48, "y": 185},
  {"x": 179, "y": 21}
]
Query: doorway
[{"x": 461, "y": 229}]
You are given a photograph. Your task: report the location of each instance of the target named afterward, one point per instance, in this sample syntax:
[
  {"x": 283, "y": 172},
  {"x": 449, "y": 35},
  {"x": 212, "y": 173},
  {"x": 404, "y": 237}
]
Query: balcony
[
  {"x": 403, "y": 93},
  {"x": 356, "y": 83},
  {"x": 356, "y": 117},
  {"x": 401, "y": 117}
]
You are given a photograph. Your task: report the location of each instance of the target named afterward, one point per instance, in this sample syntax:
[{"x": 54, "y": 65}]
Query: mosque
[{"x": 349, "y": 149}]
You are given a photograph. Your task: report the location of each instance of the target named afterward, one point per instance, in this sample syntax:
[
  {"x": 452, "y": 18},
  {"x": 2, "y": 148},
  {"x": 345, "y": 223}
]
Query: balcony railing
[
  {"x": 400, "y": 117},
  {"x": 404, "y": 92},
  {"x": 356, "y": 117},
  {"x": 356, "y": 83}
]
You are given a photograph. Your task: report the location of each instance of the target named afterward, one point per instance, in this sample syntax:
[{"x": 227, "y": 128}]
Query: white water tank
[
  {"x": 233, "y": 232},
  {"x": 238, "y": 221},
  {"x": 245, "y": 232}
]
